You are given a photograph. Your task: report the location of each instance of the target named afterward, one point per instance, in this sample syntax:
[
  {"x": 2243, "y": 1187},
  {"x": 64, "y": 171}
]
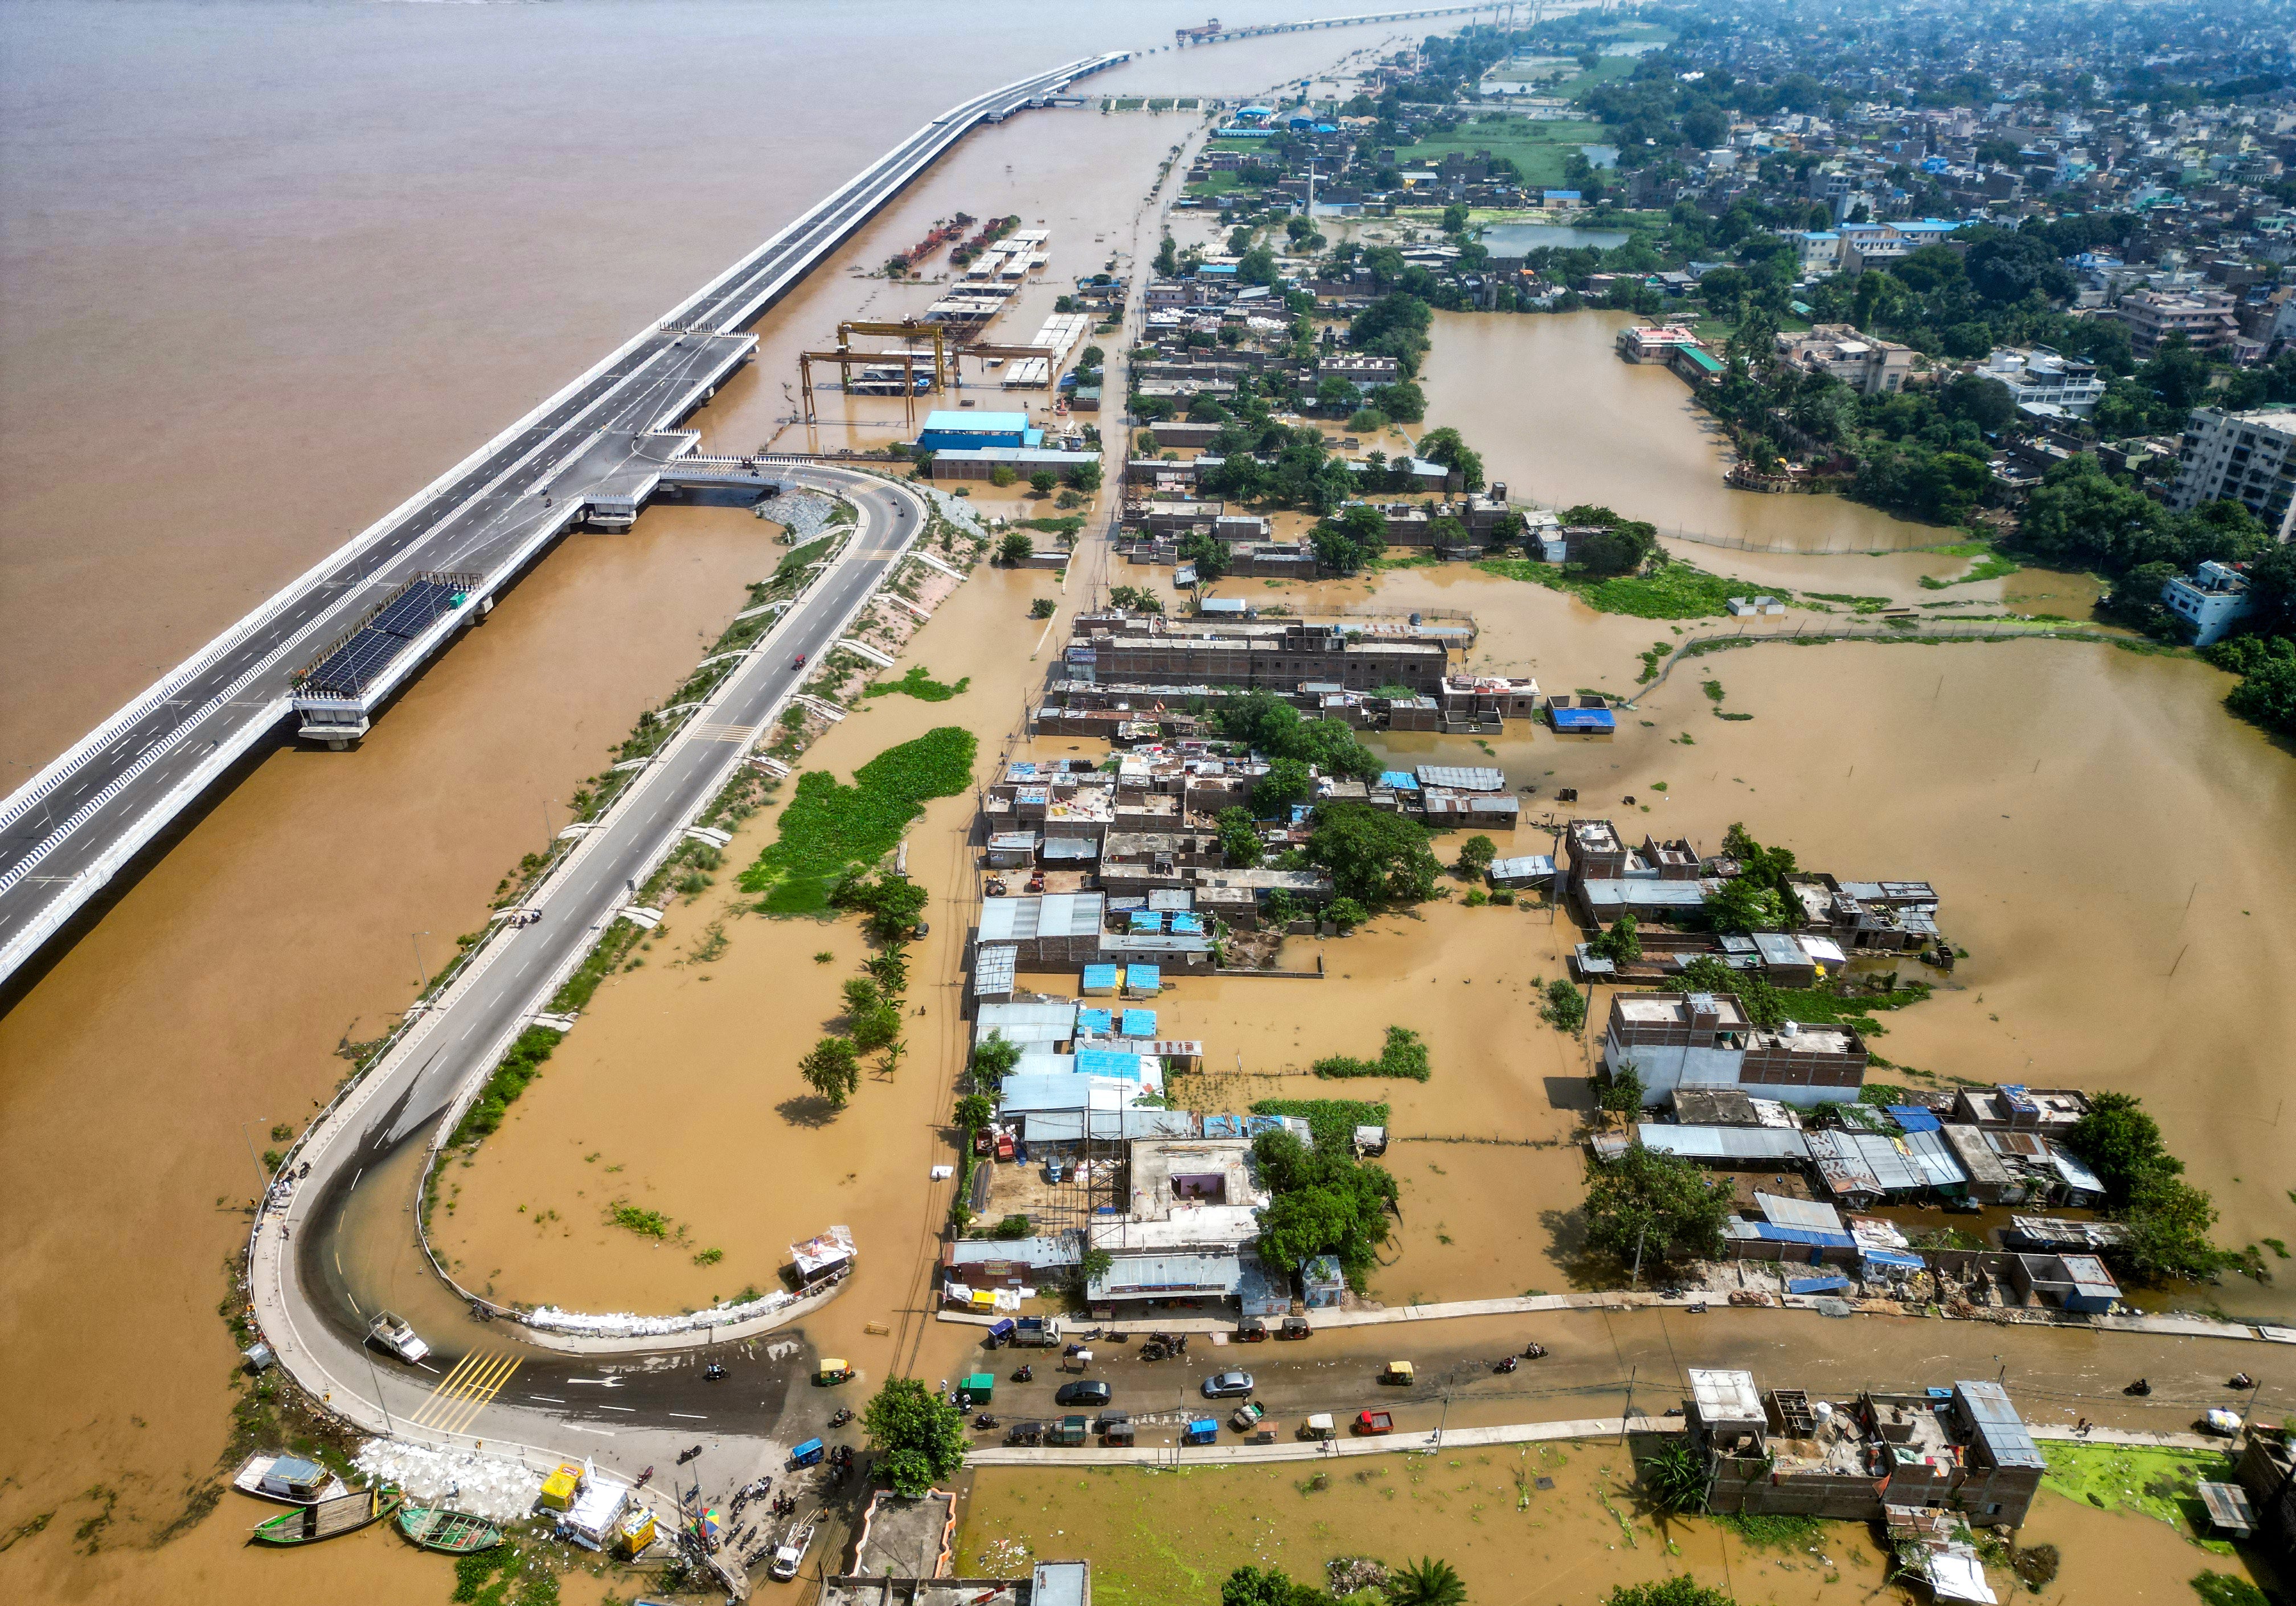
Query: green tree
[
  {"x": 974, "y": 1111},
  {"x": 2168, "y": 1221},
  {"x": 995, "y": 1058},
  {"x": 1001, "y": 476},
  {"x": 1426, "y": 1582},
  {"x": 1676, "y": 1478},
  {"x": 1744, "y": 905},
  {"x": 2119, "y": 1141},
  {"x": 1374, "y": 856},
  {"x": 918, "y": 1436},
  {"x": 1445, "y": 447},
  {"x": 1094, "y": 1266},
  {"x": 1267, "y": 1587},
  {"x": 1085, "y": 477},
  {"x": 1043, "y": 481},
  {"x": 1621, "y": 944},
  {"x": 1016, "y": 548},
  {"x": 1661, "y": 1202},
  {"x": 1286, "y": 783},
  {"x": 1167, "y": 257},
  {"x": 1239, "y": 839},
  {"x": 832, "y": 1069},
  {"x": 877, "y": 1028},
  {"x": 1475, "y": 857},
  {"x": 1346, "y": 914}
]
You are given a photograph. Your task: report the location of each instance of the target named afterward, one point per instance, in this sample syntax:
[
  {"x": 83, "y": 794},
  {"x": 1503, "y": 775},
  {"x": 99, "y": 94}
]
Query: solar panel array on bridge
[{"x": 350, "y": 668}]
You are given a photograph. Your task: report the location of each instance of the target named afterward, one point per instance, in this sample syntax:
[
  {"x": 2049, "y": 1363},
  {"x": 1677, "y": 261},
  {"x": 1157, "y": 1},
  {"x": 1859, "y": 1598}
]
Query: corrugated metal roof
[
  {"x": 1108, "y": 1126},
  {"x": 1132, "y": 1277},
  {"x": 1462, "y": 777},
  {"x": 1934, "y": 1156},
  {"x": 1725, "y": 1143},
  {"x": 1783, "y": 1212},
  {"x": 995, "y": 969},
  {"x": 2075, "y": 1175},
  {"x": 1998, "y": 1425},
  {"x": 1724, "y": 1396},
  {"x": 1061, "y": 1248}
]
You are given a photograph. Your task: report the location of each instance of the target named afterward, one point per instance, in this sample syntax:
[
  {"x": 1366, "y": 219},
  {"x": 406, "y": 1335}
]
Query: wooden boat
[
  {"x": 289, "y": 1480},
  {"x": 457, "y": 1533},
  {"x": 327, "y": 1519}
]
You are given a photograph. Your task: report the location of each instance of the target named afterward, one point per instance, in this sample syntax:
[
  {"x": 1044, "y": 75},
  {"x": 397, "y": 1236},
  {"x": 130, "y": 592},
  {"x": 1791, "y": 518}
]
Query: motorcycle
[
  {"x": 1153, "y": 1351},
  {"x": 685, "y": 1455},
  {"x": 714, "y": 1373},
  {"x": 1508, "y": 1364},
  {"x": 1533, "y": 1352},
  {"x": 1025, "y": 1374},
  {"x": 644, "y": 1478},
  {"x": 2240, "y": 1380},
  {"x": 2140, "y": 1387},
  {"x": 984, "y": 1421},
  {"x": 839, "y": 1417}
]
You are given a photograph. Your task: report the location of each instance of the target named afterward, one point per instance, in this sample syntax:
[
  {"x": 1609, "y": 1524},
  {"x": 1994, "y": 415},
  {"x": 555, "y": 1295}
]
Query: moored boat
[
  {"x": 457, "y": 1533},
  {"x": 289, "y": 1480},
  {"x": 327, "y": 1519}
]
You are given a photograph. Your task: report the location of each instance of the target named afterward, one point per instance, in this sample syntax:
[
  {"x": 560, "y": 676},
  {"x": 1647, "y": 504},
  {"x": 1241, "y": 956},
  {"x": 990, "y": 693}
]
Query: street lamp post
[
  {"x": 263, "y": 1176},
  {"x": 421, "y": 970}
]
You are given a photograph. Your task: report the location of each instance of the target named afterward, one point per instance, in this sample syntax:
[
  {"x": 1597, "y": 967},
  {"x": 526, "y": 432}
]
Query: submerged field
[{"x": 1544, "y": 1525}]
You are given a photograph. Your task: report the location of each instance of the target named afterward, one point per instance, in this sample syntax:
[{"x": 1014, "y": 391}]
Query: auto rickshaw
[
  {"x": 1025, "y": 1433},
  {"x": 1203, "y": 1430},
  {"x": 1115, "y": 1427},
  {"x": 1252, "y": 1329},
  {"x": 1400, "y": 1374},
  {"x": 832, "y": 1372},
  {"x": 1247, "y": 1416},
  {"x": 1295, "y": 1327},
  {"x": 809, "y": 1453},
  {"x": 1319, "y": 1426}
]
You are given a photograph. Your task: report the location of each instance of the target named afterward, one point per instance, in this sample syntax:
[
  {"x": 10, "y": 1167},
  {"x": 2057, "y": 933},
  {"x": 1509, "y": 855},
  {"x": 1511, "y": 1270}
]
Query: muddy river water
[{"x": 2118, "y": 857}]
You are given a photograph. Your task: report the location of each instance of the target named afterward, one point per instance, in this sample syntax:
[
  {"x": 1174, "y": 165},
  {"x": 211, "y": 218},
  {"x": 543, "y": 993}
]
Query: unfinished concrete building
[{"x": 1782, "y": 1454}]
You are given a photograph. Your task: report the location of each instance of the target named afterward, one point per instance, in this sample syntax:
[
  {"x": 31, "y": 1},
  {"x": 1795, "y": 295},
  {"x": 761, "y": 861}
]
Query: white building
[
  {"x": 1676, "y": 1040},
  {"x": 2039, "y": 377},
  {"x": 2244, "y": 457},
  {"x": 2211, "y": 601}
]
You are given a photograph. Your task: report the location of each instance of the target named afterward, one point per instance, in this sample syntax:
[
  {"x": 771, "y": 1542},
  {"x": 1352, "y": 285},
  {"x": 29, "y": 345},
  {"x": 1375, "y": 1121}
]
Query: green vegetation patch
[
  {"x": 519, "y": 1067},
  {"x": 1770, "y": 1531},
  {"x": 1990, "y": 565},
  {"x": 1538, "y": 149},
  {"x": 1402, "y": 1055},
  {"x": 830, "y": 831},
  {"x": 1333, "y": 1122},
  {"x": 919, "y": 683},
  {"x": 1671, "y": 591},
  {"x": 2161, "y": 1484}
]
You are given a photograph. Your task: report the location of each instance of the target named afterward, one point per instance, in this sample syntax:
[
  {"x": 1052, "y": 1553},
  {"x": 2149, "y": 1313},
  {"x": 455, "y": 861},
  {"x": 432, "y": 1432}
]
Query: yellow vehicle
[
  {"x": 558, "y": 1489},
  {"x": 833, "y": 1371},
  {"x": 1400, "y": 1374}
]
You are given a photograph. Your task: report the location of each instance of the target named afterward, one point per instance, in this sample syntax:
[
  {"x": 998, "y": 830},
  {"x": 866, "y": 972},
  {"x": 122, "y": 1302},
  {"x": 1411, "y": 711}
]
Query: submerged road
[{"x": 69, "y": 830}]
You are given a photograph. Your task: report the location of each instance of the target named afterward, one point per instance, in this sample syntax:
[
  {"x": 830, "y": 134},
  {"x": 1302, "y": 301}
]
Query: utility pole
[
  {"x": 1637, "y": 1280},
  {"x": 263, "y": 1176},
  {"x": 421, "y": 970},
  {"x": 1628, "y": 1415}
]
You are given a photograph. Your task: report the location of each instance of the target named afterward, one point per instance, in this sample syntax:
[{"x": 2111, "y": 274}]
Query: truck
[
  {"x": 395, "y": 1335},
  {"x": 789, "y": 1555},
  {"x": 1374, "y": 1421},
  {"x": 1034, "y": 1332}
]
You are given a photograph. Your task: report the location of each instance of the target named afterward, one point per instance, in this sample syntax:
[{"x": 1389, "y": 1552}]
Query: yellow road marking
[
  {"x": 476, "y": 1397},
  {"x": 439, "y": 1390},
  {"x": 465, "y": 1390}
]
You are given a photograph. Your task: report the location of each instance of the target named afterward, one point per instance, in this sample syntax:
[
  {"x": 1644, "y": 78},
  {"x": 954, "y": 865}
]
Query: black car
[{"x": 1082, "y": 1394}]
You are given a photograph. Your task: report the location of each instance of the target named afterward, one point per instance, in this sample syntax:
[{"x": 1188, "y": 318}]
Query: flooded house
[
  {"x": 1779, "y": 1452},
  {"x": 1183, "y": 1239},
  {"x": 1673, "y": 1040}
]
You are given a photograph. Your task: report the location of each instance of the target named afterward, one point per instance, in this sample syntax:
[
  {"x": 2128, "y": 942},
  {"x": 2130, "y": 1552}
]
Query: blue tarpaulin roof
[
  {"x": 1147, "y": 919},
  {"x": 1398, "y": 780},
  {"x": 1815, "y": 1285},
  {"x": 1811, "y": 1236},
  {"x": 1139, "y": 1023},
  {"x": 1100, "y": 978},
  {"x": 1582, "y": 719},
  {"x": 1912, "y": 1118},
  {"x": 1187, "y": 925},
  {"x": 1101, "y": 1023},
  {"x": 1900, "y": 1259},
  {"x": 1103, "y": 1063}
]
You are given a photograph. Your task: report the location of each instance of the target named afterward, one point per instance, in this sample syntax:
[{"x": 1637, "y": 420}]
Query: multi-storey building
[
  {"x": 2244, "y": 457},
  {"x": 2037, "y": 376}
]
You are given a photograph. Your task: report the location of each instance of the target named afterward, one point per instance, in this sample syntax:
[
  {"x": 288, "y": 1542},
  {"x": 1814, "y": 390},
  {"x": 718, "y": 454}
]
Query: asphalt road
[
  {"x": 308, "y": 1311},
  {"x": 66, "y": 841}
]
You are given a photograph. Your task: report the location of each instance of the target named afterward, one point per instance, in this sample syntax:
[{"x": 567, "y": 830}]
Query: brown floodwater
[
  {"x": 243, "y": 238},
  {"x": 394, "y": 196},
  {"x": 1561, "y": 419}
]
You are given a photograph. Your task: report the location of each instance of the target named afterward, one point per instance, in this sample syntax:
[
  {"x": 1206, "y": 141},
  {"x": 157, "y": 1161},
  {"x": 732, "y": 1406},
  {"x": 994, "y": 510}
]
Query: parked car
[
  {"x": 1084, "y": 1393},
  {"x": 1220, "y": 1385}
]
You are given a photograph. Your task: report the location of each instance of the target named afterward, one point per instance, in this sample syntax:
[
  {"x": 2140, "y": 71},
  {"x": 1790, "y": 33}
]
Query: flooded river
[
  {"x": 1562, "y": 419},
  {"x": 347, "y": 244}
]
